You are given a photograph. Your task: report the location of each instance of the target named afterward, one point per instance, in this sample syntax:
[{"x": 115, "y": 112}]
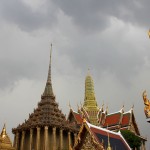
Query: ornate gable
[
  {"x": 86, "y": 140},
  {"x": 87, "y": 144}
]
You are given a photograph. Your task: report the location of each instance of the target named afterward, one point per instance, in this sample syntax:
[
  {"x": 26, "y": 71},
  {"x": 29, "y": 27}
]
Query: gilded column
[
  {"x": 61, "y": 139},
  {"x": 69, "y": 140},
  {"x": 54, "y": 138},
  {"x": 38, "y": 138},
  {"x": 22, "y": 140},
  {"x": 31, "y": 138},
  {"x": 16, "y": 141},
  {"x": 46, "y": 137},
  {"x": 75, "y": 136}
]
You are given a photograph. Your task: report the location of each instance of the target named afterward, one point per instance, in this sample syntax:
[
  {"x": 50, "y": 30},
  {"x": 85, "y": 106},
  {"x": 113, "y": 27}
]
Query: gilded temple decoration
[
  {"x": 147, "y": 105},
  {"x": 88, "y": 143}
]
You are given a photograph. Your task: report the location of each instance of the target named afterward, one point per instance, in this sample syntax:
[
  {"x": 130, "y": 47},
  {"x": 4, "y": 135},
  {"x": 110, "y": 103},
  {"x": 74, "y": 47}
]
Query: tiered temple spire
[
  {"x": 48, "y": 88},
  {"x": 89, "y": 100},
  {"x": 90, "y": 103},
  {"x": 46, "y": 127}
]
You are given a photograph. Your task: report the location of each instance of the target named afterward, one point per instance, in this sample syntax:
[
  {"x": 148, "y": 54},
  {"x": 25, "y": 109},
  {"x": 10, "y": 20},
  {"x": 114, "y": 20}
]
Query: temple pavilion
[{"x": 47, "y": 127}]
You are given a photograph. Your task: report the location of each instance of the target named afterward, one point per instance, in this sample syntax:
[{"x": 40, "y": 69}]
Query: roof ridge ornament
[
  {"x": 122, "y": 109},
  {"x": 69, "y": 105}
]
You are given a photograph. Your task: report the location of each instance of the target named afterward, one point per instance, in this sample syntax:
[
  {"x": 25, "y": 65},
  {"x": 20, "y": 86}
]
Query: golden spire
[
  {"x": 48, "y": 88},
  {"x": 3, "y": 133},
  {"x": 89, "y": 100},
  {"x": 5, "y": 142},
  {"x": 90, "y": 103}
]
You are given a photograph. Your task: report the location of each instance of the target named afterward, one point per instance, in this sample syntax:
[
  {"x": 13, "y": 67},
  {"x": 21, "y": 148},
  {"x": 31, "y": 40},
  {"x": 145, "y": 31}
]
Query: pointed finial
[
  {"x": 108, "y": 148},
  {"x": 3, "y": 133},
  {"x": 69, "y": 105},
  {"x": 48, "y": 88},
  {"x": 51, "y": 53},
  {"x": 78, "y": 106},
  {"x": 107, "y": 109},
  {"x": 102, "y": 108},
  {"x": 88, "y": 71},
  {"x": 103, "y": 105},
  {"x": 49, "y": 71},
  {"x": 132, "y": 107},
  {"x": 122, "y": 109}
]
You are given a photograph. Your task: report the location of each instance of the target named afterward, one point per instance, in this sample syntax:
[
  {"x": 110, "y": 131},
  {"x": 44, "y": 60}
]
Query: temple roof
[
  {"x": 47, "y": 112},
  {"x": 121, "y": 120},
  {"x": 103, "y": 137}
]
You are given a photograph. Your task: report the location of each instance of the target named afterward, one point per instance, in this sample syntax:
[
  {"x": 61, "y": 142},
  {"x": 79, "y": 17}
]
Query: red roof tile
[
  {"x": 112, "y": 119},
  {"x": 125, "y": 119},
  {"x": 78, "y": 118}
]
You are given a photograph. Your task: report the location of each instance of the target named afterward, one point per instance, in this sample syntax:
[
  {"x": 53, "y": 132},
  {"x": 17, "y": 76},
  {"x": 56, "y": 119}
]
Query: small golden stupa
[{"x": 5, "y": 142}]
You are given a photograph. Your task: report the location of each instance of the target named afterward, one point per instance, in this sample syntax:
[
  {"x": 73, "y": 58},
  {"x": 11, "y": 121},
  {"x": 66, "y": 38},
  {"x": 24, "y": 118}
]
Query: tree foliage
[{"x": 133, "y": 140}]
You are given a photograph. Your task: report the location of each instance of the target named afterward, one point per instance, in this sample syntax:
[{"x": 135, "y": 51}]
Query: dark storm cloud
[
  {"x": 95, "y": 14},
  {"x": 14, "y": 70},
  {"x": 88, "y": 15},
  {"x": 17, "y": 12},
  {"x": 95, "y": 52}
]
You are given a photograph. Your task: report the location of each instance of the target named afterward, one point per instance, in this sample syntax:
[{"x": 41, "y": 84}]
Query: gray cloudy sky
[{"x": 109, "y": 37}]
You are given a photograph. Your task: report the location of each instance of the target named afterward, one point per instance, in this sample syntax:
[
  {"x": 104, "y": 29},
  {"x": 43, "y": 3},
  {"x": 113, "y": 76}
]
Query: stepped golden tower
[{"x": 90, "y": 103}]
